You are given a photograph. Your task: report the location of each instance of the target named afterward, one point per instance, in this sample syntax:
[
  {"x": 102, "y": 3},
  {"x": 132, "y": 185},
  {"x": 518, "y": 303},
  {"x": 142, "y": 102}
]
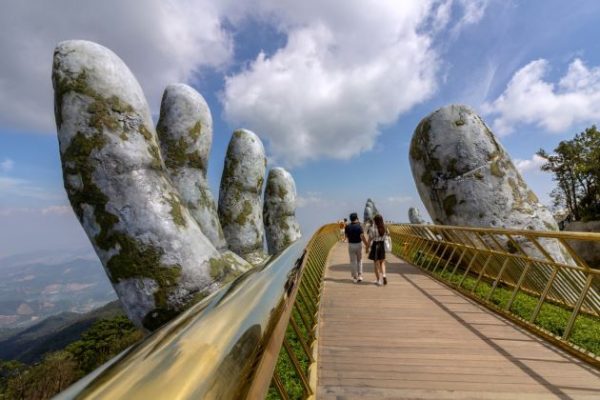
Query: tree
[
  {"x": 576, "y": 168},
  {"x": 57, "y": 370}
]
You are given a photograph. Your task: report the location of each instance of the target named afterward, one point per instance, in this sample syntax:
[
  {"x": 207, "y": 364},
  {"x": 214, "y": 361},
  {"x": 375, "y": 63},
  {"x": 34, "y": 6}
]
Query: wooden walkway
[{"x": 417, "y": 339}]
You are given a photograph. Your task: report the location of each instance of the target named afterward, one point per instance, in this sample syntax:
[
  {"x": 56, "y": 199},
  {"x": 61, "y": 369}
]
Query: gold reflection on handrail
[{"x": 226, "y": 346}]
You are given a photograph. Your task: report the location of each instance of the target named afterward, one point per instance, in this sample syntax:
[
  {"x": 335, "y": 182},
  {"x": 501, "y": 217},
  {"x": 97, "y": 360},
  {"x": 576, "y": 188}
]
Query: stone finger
[
  {"x": 240, "y": 207},
  {"x": 279, "y": 212},
  {"x": 414, "y": 216},
  {"x": 185, "y": 134}
]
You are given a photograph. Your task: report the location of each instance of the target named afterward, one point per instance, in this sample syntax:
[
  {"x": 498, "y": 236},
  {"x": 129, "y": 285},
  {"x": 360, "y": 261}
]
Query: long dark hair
[{"x": 378, "y": 220}]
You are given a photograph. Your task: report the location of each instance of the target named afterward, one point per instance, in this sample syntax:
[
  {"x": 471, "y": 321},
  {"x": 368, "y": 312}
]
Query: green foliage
[
  {"x": 576, "y": 168},
  {"x": 102, "y": 341},
  {"x": 57, "y": 370}
]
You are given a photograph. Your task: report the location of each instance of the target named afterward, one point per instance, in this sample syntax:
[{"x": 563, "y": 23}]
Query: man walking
[{"x": 356, "y": 237}]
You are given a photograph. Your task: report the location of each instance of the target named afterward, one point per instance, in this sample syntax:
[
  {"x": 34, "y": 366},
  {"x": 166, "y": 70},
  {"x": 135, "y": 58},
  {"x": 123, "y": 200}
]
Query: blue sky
[{"x": 334, "y": 89}]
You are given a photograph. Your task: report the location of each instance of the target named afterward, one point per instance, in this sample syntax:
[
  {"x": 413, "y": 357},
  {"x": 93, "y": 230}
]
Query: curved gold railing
[
  {"x": 533, "y": 278},
  {"x": 253, "y": 338}
]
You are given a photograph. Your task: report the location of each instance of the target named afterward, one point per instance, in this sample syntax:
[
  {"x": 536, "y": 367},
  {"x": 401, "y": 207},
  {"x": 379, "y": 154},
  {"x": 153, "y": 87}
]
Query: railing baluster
[
  {"x": 495, "y": 284},
  {"x": 297, "y": 367},
  {"x": 279, "y": 386},
  {"x": 547, "y": 288},
  {"x": 577, "y": 307},
  {"x": 468, "y": 268},
  {"x": 516, "y": 289}
]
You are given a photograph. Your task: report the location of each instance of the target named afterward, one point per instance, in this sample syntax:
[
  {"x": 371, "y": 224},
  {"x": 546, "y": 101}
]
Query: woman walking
[{"x": 377, "y": 233}]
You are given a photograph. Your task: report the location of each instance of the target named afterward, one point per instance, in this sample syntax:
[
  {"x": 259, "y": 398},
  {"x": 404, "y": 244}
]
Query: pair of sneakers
[
  {"x": 381, "y": 282},
  {"x": 357, "y": 280}
]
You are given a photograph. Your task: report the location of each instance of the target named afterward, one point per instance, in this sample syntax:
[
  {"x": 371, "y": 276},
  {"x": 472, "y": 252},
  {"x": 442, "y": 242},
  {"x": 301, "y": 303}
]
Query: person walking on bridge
[
  {"x": 356, "y": 238},
  {"x": 376, "y": 246}
]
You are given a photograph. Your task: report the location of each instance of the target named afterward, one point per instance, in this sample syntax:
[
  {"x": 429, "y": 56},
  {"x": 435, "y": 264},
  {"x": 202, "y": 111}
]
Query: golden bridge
[{"x": 469, "y": 313}]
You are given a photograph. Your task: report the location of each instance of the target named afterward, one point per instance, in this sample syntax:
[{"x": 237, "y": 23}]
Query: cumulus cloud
[
  {"x": 531, "y": 99},
  {"x": 7, "y": 165},
  {"x": 161, "y": 41},
  {"x": 533, "y": 164},
  {"x": 342, "y": 74},
  {"x": 347, "y": 68}
]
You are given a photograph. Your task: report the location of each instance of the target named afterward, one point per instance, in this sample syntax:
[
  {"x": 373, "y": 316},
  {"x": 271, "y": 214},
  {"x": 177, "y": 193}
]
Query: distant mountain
[
  {"x": 53, "y": 333},
  {"x": 36, "y": 285}
]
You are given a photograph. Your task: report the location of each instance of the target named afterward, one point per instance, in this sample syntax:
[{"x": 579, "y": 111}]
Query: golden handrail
[
  {"x": 228, "y": 345},
  {"x": 480, "y": 262}
]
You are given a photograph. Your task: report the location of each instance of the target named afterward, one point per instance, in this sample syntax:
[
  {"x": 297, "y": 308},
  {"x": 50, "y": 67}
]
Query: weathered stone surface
[
  {"x": 414, "y": 216},
  {"x": 465, "y": 177},
  {"x": 154, "y": 252},
  {"x": 185, "y": 134},
  {"x": 370, "y": 211},
  {"x": 240, "y": 208},
  {"x": 279, "y": 210},
  {"x": 588, "y": 250}
]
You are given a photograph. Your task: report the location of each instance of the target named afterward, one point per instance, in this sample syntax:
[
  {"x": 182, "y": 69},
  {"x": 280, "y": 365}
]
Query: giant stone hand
[
  {"x": 143, "y": 198},
  {"x": 465, "y": 177}
]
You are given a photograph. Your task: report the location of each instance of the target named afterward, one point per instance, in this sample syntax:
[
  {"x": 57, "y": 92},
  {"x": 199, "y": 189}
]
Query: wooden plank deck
[{"x": 417, "y": 339}]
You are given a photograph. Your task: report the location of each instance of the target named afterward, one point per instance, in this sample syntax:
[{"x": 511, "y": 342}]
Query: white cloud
[
  {"x": 342, "y": 74},
  {"x": 7, "y": 165},
  {"x": 57, "y": 210},
  {"x": 161, "y": 41},
  {"x": 311, "y": 199},
  {"x": 346, "y": 69},
  {"x": 530, "y": 99},
  {"x": 11, "y": 188},
  {"x": 531, "y": 165},
  {"x": 398, "y": 199},
  {"x": 50, "y": 210}
]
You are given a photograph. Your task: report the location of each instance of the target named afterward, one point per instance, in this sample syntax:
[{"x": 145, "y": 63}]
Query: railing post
[
  {"x": 518, "y": 286},
  {"x": 469, "y": 267},
  {"x": 497, "y": 279},
  {"x": 575, "y": 312},
  {"x": 547, "y": 288}
]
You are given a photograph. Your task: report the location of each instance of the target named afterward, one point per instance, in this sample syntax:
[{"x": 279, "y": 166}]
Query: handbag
[{"x": 387, "y": 243}]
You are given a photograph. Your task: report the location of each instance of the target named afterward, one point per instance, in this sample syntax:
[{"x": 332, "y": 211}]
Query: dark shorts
[{"x": 377, "y": 251}]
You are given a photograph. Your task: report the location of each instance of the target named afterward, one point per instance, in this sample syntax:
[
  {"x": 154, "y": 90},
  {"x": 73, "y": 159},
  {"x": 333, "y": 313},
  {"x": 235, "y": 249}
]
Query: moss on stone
[
  {"x": 205, "y": 200},
  {"x": 420, "y": 139},
  {"x": 532, "y": 198},
  {"x": 230, "y": 167},
  {"x": 195, "y": 160},
  {"x": 195, "y": 130},
  {"x": 176, "y": 212},
  {"x": 452, "y": 169},
  {"x": 496, "y": 170},
  {"x": 259, "y": 184},
  {"x": 459, "y": 122},
  {"x": 449, "y": 203},
  {"x": 427, "y": 178},
  {"x": 242, "y": 218},
  {"x": 282, "y": 192},
  {"x": 104, "y": 112},
  {"x": 174, "y": 151},
  {"x": 223, "y": 269},
  {"x": 76, "y": 161}
]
